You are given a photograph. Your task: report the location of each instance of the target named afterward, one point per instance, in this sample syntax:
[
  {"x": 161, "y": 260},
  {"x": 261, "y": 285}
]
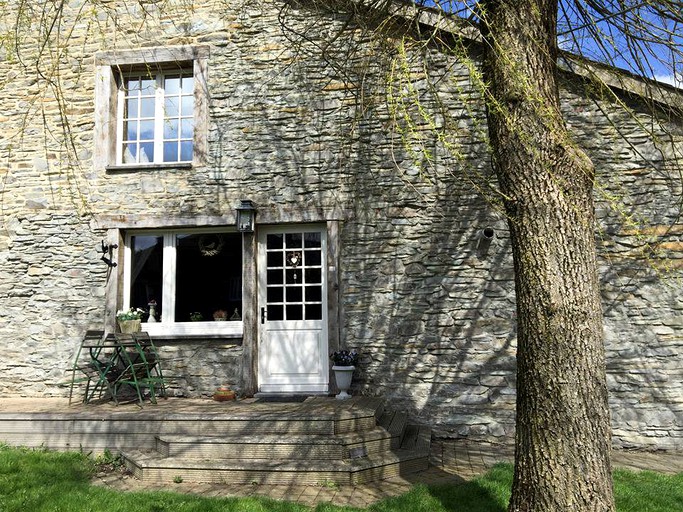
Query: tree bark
[{"x": 563, "y": 435}]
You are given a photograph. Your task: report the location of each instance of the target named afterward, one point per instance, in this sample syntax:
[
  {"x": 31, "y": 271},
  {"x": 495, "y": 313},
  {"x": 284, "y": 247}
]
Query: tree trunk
[{"x": 563, "y": 436}]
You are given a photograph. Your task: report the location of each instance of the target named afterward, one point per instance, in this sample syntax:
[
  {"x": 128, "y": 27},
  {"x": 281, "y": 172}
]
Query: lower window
[{"x": 188, "y": 282}]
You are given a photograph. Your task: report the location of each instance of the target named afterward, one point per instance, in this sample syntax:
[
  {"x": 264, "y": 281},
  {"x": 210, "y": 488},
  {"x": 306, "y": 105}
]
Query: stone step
[
  {"x": 90, "y": 428},
  {"x": 412, "y": 456},
  {"x": 386, "y": 436},
  {"x": 277, "y": 446},
  {"x": 150, "y": 467}
]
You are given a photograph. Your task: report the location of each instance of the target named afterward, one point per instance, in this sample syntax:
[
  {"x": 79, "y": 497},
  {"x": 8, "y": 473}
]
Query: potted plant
[
  {"x": 196, "y": 316},
  {"x": 220, "y": 315},
  {"x": 344, "y": 363},
  {"x": 129, "y": 321}
]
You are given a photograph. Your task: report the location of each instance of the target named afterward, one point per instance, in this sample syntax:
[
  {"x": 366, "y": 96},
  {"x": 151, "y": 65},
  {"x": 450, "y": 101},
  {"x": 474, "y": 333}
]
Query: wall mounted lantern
[{"x": 246, "y": 216}]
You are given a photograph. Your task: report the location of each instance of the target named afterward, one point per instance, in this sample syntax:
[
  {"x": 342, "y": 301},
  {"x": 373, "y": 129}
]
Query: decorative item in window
[
  {"x": 294, "y": 259},
  {"x": 220, "y": 315},
  {"x": 129, "y": 321},
  {"x": 211, "y": 245},
  {"x": 152, "y": 312},
  {"x": 236, "y": 316},
  {"x": 196, "y": 316}
]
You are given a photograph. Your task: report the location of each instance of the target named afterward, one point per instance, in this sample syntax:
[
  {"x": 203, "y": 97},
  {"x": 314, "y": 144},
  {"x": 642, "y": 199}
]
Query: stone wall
[{"x": 423, "y": 295}]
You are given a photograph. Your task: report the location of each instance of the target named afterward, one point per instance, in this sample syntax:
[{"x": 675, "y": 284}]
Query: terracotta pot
[{"x": 224, "y": 394}]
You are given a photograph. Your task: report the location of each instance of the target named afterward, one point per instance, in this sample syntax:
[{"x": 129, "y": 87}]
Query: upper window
[
  {"x": 156, "y": 118},
  {"x": 151, "y": 107}
]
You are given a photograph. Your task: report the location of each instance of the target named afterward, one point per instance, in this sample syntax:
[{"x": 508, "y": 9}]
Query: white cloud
[{"x": 675, "y": 80}]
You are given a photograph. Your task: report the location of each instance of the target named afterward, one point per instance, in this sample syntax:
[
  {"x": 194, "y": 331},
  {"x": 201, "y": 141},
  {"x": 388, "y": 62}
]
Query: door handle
[{"x": 263, "y": 315}]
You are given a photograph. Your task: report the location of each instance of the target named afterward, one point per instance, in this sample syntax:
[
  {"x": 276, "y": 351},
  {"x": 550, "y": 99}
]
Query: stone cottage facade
[{"x": 136, "y": 136}]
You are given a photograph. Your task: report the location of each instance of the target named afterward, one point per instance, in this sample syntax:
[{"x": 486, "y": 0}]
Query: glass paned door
[
  {"x": 294, "y": 276},
  {"x": 293, "y": 306}
]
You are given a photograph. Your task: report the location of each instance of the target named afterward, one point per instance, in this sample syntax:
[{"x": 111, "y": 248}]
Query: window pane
[
  {"x": 274, "y": 259},
  {"x": 186, "y": 151},
  {"x": 147, "y": 152},
  {"x": 147, "y": 86},
  {"x": 146, "y": 271},
  {"x": 187, "y": 105},
  {"x": 170, "y": 151},
  {"x": 172, "y": 85},
  {"x": 312, "y": 240},
  {"x": 130, "y": 151},
  {"x": 314, "y": 294},
  {"x": 314, "y": 312},
  {"x": 275, "y": 294},
  {"x": 274, "y": 241},
  {"x": 275, "y": 313},
  {"x": 294, "y": 294},
  {"x": 171, "y": 107},
  {"x": 147, "y": 107},
  {"x": 187, "y": 128},
  {"x": 312, "y": 258},
  {"x": 146, "y": 130},
  {"x": 208, "y": 275},
  {"x": 293, "y": 276},
  {"x": 188, "y": 84},
  {"x": 275, "y": 277},
  {"x": 293, "y": 240},
  {"x": 170, "y": 129},
  {"x": 131, "y": 108},
  {"x": 295, "y": 312},
  {"x": 131, "y": 85},
  {"x": 130, "y": 128},
  {"x": 313, "y": 275}
]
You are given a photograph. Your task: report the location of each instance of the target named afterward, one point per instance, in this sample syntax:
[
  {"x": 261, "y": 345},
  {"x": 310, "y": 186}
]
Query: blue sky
[{"x": 592, "y": 28}]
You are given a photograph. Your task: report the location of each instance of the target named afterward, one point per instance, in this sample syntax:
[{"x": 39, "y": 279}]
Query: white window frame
[
  {"x": 160, "y": 117},
  {"x": 167, "y": 327},
  {"x": 111, "y": 66}
]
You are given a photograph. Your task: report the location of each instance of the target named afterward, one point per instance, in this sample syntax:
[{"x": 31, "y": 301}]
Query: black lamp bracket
[{"x": 107, "y": 253}]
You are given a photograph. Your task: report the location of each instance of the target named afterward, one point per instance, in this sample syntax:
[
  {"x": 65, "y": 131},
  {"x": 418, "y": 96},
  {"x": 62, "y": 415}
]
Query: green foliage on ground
[{"x": 45, "y": 481}]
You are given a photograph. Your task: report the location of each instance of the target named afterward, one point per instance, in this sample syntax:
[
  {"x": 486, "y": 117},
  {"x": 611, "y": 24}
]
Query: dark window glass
[
  {"x": 275, "y": 276},
  {"x": 312, "y": 240},
  {"x": 295, "y": 312},
  {"x": 294, "y": 294},
  {"x": 313, "y": 275},
  {"x": 274, "y": 241},
  {"x": 314, "y": 312},
  {"x": 312, "y": 258},
  {"x": 146, "y": 271},
  {"x": 208, "y": 275},
  {"x": 275, "y": 313},
  {"x": 275, "y": 294},
  {"x": 293, "y": 276},
  {"x": 293, "y": 240},
  {"x": 314, "y": 294},
  {"x": 274, "y": 259}
]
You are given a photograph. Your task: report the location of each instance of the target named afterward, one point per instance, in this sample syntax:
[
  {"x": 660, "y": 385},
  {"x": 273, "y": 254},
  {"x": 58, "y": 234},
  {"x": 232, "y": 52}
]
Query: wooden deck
[{"x": 251, "y": 440}]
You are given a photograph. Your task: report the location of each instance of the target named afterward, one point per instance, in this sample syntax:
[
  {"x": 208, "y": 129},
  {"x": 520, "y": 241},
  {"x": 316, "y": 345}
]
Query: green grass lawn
[{"x": 43, "y": 481}]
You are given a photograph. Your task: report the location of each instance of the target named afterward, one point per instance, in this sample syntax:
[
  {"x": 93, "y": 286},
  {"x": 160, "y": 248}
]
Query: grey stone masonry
[{"x": 384, "y": 137}]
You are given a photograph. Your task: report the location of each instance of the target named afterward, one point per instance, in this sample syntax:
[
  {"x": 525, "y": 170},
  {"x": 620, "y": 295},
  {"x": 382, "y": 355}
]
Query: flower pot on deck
[{"x": 343, "y": 376}]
